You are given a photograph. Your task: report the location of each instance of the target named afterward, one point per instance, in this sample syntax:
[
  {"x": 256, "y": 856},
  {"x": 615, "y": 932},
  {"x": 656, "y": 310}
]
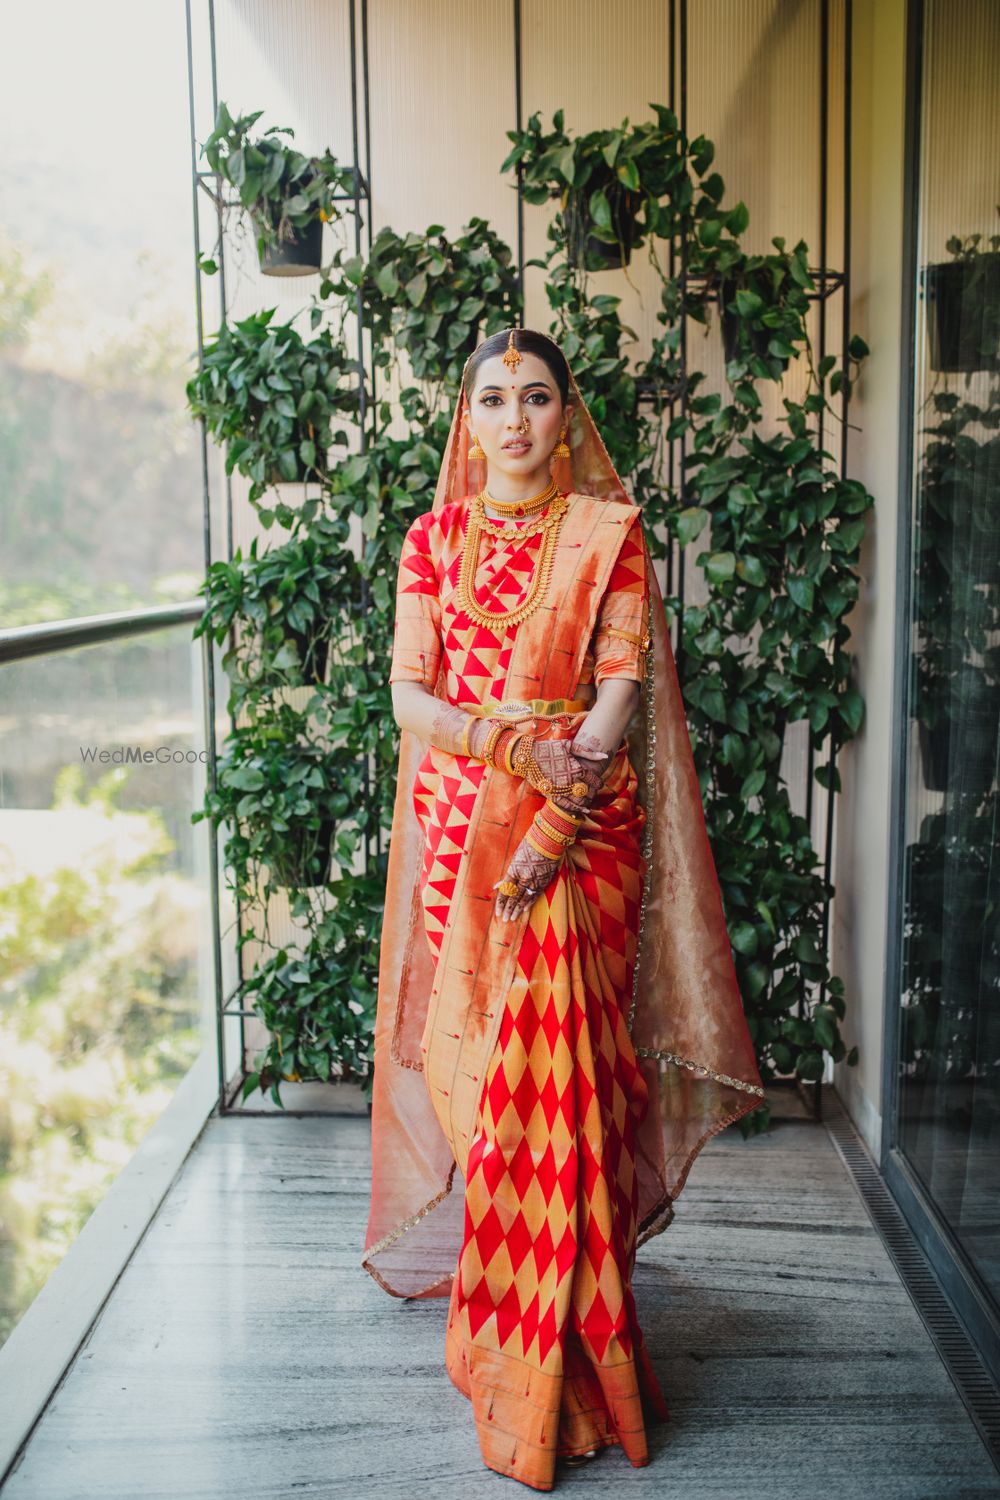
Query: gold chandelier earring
[
  {"x": 560, "y": 450},
  {"x": 475, "y": 451}
]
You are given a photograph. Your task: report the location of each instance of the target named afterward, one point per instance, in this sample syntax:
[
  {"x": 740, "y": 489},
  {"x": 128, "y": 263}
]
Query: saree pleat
[{"x": 542, "y": 1328}]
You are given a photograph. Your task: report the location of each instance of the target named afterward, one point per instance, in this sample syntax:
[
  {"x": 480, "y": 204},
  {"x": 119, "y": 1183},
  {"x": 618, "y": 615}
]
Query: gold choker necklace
[
  {"x": 549, "y": 526},
  {"x": 513, "y": 508}
]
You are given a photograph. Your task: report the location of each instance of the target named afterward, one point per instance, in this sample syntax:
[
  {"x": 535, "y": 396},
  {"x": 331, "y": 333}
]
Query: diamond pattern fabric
[{"x": 542, "y": 1332}]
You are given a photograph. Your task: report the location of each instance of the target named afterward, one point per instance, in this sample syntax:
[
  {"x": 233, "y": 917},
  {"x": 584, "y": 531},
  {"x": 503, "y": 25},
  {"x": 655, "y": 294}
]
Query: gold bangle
[
  {"x": 470, "y": 720},
  {"x": 521, "y": 760},
  {"x": 496, "y": 730}
]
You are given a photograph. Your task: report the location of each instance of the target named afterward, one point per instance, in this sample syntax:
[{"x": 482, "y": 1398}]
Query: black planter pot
[
  {"x": 302, "y": 474},
  {"x": 963, "y": 314},
  {"x": 302, "y": 255},
  {"x": 323, "y": 843},
  {"x": 972, "y": 533},
  {"x": 975, "y": 746},
  {"x": 730, "y": 323},
  {"x": 584, "y": 249},
  {"x": 320, "y": 653}
]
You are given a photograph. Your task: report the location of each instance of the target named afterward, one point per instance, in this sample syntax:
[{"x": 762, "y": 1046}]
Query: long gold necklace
[{"x": 478, "y": 523}]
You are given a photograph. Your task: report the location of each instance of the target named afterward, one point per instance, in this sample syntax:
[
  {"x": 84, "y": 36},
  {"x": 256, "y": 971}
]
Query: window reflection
[{"x": 950, "y": 1038}]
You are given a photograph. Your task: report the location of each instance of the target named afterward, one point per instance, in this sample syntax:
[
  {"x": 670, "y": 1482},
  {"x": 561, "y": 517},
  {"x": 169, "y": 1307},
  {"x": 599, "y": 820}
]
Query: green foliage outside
[{"x": 98, "y": 1018}]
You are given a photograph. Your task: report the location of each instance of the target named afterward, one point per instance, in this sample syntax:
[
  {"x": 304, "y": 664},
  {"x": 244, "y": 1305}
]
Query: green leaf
[
  {"x": 600, "y": 209},
  {"x": 748, "y": 304},
  {"x": 851, "y": 708},
  {"x": 743, "y": 937},
  {"x": 719, "y": 566},
  {"x": 752, "y": 784},
  {"x": 805, "y": 950},
  {"x": 690, "y": 524},
  {"x": 628, "y": 173},
  {"x": 800, "y": 591},
  {"x": 825, "y": 1028}
]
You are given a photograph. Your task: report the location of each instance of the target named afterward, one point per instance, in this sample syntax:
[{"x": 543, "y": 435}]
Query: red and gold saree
[{"x": 569, "y": 1065}]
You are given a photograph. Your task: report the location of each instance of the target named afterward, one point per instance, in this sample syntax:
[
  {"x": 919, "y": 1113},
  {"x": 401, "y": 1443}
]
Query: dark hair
[{"x": 528, "y": 341}]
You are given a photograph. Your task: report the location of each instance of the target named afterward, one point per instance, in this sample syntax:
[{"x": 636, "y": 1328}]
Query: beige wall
[{"x": 863, "y": 835}]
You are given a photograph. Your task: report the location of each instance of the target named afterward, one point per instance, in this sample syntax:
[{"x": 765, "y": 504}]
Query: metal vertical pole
[
  {"x": 360, "y": 315},
  {"x": 672, "y": 266},
  {"x": 845, "y": 335},
  {"x": 208, "y": 650},
  {"x": 518, "y": 125},
  {"x": 681, "y": 475},
  {"x": 824, "y": 188}
]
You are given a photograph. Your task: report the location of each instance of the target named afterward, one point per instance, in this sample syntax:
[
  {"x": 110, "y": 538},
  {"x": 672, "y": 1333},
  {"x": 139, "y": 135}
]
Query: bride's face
[{"x": 519, "y": 406}]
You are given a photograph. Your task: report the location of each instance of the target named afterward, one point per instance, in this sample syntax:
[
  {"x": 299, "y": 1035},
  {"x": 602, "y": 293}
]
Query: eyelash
[{"x": 488, "y": 400}]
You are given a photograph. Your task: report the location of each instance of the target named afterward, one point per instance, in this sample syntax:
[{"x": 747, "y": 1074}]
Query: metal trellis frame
[{"x": 229, "y": 1007}]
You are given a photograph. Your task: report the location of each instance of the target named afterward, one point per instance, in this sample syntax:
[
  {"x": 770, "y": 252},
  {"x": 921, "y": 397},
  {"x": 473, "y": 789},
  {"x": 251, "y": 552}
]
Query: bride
[{"x": 558, "y": 1012}]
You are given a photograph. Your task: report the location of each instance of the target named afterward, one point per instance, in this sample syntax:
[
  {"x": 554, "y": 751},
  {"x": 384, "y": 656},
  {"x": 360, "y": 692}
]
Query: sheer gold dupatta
[{"x": 686, "y": 1015}]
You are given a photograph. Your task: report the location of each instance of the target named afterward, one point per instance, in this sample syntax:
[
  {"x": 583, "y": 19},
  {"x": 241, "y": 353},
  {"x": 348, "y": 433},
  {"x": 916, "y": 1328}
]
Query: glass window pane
[
  {"x": 102, "y": 498},
  {"x": 106, "y": 974},
  {"x": 950, "y": 1036}
]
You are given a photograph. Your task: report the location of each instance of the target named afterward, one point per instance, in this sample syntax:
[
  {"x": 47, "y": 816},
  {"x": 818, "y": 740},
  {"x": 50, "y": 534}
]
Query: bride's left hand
[{"x": 530, "y": 870}]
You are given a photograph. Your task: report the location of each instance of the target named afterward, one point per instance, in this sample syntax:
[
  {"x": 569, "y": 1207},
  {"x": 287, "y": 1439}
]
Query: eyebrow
[{"x": 531, "y": 384}]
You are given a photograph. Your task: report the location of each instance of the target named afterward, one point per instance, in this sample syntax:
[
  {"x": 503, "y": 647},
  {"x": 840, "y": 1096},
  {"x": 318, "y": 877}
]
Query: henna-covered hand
[
  {"x": 533, "y": 872},
  {"x": 562, "y": 762}
]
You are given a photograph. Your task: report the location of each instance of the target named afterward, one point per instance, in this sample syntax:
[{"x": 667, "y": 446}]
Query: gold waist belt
[{"x": 525, "y": 708}]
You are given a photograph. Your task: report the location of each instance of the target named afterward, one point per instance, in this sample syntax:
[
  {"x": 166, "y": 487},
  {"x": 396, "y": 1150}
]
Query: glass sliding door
[{"x": 947, "y": 1084}]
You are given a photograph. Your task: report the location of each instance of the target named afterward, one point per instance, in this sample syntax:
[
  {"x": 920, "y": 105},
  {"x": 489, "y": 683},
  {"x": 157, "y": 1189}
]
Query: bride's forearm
[
  {"x": 442, "y": 724},
  {"x": 435, "y": 721},
  {"x": 602, "y": 731}
]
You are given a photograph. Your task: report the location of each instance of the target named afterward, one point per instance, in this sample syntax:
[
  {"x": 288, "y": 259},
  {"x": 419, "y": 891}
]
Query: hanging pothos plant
[
  {"x": 781, "y": 530},
  {"x": 271, "y": 396},
  {"x": 288, "y": 196}
]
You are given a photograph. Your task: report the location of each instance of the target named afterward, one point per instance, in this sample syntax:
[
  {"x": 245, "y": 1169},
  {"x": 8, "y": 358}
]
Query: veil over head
[{"x": 686, "y": 1016}]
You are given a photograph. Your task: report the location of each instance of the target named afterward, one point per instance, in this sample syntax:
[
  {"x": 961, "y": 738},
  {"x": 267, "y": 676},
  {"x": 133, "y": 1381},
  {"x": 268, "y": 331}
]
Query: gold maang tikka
[{"x": 512, "y": 356}]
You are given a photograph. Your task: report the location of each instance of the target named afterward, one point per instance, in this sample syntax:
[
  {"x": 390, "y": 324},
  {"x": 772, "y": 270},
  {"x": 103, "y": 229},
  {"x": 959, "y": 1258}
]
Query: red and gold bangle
[
  {"x": 561, "y": 820},
  {"x": 501, "y": 750},
  {"x": 542, "y": 844},
  {"x": 554, "y": 839}
]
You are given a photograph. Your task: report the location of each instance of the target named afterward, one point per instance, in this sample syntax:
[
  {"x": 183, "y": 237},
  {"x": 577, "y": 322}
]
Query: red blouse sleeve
[
  {"x": 622, "y": 618},
  {"x": 416, "y": 648}
]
